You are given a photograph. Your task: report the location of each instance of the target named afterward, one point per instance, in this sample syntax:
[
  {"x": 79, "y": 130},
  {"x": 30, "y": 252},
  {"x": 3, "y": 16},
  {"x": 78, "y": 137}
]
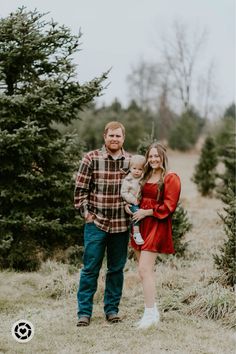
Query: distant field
[{"x": 187, "y": 296}]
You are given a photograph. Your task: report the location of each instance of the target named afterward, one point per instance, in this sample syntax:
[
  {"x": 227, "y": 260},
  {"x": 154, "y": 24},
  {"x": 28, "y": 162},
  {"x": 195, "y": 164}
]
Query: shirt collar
[{"x": 105, "y": 153}]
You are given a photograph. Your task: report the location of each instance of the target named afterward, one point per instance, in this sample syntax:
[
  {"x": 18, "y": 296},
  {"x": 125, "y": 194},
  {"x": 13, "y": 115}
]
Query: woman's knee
[{"x": 144, "y": 271}]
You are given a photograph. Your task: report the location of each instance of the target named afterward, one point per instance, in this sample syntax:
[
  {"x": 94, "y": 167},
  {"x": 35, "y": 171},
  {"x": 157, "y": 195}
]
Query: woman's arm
[
  {"x": 171, "y": 197},
  {"x": 172, "y": 190}
]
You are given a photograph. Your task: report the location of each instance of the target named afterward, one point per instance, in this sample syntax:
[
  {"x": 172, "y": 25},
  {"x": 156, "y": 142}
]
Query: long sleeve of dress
[{"x": 172, "y": 188}]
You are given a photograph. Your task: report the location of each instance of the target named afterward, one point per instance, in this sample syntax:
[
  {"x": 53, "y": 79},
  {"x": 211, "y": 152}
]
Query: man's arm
[{"x": 82, "y": 184}]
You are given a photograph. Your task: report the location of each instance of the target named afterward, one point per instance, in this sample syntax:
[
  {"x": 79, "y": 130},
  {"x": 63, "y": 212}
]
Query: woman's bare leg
[{"x": 146, "y": 272}]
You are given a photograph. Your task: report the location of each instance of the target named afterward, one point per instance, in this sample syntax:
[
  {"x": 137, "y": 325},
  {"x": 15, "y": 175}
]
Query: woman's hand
[
  {"x": 141, "y": 214},
  {"x": 138, "y": 215}
]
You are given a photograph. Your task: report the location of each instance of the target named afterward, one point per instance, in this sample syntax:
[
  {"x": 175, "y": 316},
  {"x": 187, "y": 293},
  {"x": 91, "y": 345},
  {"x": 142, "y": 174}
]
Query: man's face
[{"x": 114, "y": 139}]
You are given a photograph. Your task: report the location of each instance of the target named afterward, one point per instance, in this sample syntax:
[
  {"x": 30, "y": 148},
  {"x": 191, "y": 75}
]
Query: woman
[{"x": 160, "y": 195}]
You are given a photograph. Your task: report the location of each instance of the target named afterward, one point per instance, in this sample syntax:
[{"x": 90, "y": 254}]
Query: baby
[{"x": 131, "y": 191}]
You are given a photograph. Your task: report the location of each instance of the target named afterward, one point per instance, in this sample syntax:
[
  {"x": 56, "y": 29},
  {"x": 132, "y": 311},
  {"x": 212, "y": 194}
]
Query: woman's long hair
[{"x": 161, "y": 150}]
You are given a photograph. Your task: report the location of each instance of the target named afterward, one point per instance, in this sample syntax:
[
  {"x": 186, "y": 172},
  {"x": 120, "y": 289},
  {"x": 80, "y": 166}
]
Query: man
[{"x": 98, "y": 198}]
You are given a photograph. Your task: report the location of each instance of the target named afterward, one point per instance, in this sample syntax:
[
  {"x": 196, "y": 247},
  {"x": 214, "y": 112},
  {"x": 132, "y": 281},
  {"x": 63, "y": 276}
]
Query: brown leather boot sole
[
  {"x": 83, "y": 321},
  {"x": 113, "y": 318}
]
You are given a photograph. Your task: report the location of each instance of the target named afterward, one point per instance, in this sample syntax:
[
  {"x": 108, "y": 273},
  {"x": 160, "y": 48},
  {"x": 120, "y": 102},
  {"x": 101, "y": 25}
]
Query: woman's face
[{"x": 154, "y": 159}]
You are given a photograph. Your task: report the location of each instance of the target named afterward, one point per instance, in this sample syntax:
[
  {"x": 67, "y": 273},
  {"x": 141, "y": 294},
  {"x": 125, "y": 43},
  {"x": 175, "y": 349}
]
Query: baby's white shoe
[{"x": 138, "y": 238}]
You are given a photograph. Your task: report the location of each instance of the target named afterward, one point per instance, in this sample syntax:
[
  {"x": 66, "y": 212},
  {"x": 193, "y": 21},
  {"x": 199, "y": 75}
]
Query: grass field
[{"x": 196, "y": 312}]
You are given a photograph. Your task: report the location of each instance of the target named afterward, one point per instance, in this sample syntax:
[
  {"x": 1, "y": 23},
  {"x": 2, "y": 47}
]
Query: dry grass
[{"x": 196, "y": 313}]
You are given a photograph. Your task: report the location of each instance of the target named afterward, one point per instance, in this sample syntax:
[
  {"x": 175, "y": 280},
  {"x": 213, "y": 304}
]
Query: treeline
[{"x": 178, "y": 131}]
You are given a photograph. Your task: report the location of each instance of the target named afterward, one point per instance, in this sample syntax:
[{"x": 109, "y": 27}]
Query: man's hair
[
  {"x": 140, "y": 159},
  {"x": 114, "y": 125}
]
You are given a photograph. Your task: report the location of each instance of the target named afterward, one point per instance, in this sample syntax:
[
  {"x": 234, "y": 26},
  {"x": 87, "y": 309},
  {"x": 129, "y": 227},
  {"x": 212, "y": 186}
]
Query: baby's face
[{"x": 136, "y": 170}]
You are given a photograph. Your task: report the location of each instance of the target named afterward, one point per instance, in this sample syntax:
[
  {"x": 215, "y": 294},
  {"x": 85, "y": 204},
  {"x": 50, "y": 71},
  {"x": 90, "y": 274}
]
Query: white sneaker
[
  {"x": 150, "y": 318},
  {"x": 138, "y": 238},
  {"x": 156, "y": 312}
]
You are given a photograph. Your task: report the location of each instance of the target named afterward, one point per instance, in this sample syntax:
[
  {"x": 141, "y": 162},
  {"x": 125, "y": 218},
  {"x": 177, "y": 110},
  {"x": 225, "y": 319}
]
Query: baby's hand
[{"x": 127, "y": 209}]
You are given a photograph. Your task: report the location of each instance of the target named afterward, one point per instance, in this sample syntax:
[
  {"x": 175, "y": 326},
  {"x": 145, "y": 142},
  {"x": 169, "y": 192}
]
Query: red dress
[{"x": 156, "y": 230}]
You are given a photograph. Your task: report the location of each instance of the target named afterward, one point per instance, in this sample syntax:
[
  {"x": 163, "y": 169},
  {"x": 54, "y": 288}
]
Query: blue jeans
[
  {"x": 96, "y": 241},
  {"x": 134, "y": 208}
]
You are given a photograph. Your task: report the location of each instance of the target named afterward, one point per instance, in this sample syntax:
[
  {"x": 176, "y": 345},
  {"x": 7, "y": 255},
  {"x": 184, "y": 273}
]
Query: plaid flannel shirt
[{"x": 97, "y": 189}]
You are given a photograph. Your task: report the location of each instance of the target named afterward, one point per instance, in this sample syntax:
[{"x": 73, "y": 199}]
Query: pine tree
[
  {"x": 226, "y": 259},
  {"x": 225, "y": 128},
  {"x": 205, "y": 171},
  {"x": 38, "y": 88},
  {"x": 228, "y": 177},
  {"x": 145, "y": 143},
  {"x": 180, "y": 225},
  {"x": 186, "y": 130}
]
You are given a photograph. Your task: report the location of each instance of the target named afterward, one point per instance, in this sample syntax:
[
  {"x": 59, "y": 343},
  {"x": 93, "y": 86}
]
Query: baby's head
[{"x": 136, "y": 165}]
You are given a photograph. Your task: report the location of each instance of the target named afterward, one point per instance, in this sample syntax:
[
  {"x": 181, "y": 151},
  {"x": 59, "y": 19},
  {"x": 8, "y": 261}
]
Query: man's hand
[{"x": 89, "y": 217}]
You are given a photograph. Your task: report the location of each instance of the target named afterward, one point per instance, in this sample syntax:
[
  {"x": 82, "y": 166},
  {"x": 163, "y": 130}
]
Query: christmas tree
[
  {"x": 38, "y": 88},
  {"x": 205, "y": 171},
  {"x": 226, "y": 259},
  {"x": 180, "y": 225}
]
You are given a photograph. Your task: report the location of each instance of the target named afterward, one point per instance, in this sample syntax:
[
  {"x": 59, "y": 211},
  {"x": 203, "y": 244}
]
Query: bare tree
[
  {"x": 149, "y": 87},
  {"x": 178, "y": 80},
  {"x": 165, "y": 115},
  {"x": 180, "y": 54},
  {"x": 143, "y": 84},
  {"x": 207, "y": 92}
]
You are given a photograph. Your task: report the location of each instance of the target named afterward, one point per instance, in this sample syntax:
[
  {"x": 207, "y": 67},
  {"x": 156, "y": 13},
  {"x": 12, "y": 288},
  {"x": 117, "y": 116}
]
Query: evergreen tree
[
  {"x": 38, "y": 88},
  {"x": 230, "y": 111},
  {"x": 186, "y": 131},
  {"x": 205, "y": 171},
  {"x": 180, "y": 225},
  {"x": 225, "y": 128},
  {"x": 145, "y": 143},
  {"x": 228, "y": 177},
  {"x": 226, "y": 259}
]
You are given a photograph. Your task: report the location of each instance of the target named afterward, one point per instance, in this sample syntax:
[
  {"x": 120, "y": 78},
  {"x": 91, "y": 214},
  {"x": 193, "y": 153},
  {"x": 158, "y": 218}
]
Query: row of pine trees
[{"x": 209, "y": 181}]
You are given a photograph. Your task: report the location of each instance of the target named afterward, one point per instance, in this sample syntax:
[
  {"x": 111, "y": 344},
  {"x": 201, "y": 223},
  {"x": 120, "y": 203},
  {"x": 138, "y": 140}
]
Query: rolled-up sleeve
[{"x": 172, "y": 188}]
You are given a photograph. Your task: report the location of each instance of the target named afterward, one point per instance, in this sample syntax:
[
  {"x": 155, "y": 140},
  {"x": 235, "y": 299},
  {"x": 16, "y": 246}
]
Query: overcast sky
[{"x": 119, "y": 33}]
